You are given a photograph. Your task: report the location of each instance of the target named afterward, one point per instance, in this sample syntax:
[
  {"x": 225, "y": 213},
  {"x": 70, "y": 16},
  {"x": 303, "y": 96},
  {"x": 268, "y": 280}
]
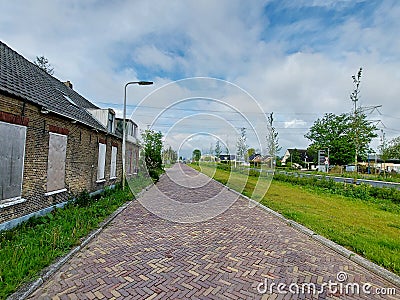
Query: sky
[{"x": 218, "y": 66}]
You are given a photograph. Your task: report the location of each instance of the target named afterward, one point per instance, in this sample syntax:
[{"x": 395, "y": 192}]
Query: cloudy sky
[{"x": 293, "y": 58}]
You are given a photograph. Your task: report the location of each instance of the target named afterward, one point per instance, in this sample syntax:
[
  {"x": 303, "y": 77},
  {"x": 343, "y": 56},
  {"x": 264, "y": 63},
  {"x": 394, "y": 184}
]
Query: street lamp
[{"x": 124, "y": 128}]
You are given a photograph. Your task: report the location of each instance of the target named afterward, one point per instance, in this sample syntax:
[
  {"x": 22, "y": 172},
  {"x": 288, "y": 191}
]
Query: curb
[
  {"x": 26, "y": 290},
  {"x": 361, "y": 261}
]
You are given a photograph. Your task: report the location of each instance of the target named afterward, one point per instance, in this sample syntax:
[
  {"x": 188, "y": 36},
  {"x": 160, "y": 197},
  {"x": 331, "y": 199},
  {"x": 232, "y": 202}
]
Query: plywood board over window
[
  {"x": 101, "y": 163},
  {"x": 56, "y": 162},
  {"x": 129, "y": 170},
  {"x": 12, "y": 153}
]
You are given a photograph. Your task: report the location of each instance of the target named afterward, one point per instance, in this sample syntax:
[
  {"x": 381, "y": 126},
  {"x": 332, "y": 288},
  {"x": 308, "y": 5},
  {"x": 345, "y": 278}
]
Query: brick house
[
  {"x": 54, "y": 143},
  {"x": 132, "y": 145}
]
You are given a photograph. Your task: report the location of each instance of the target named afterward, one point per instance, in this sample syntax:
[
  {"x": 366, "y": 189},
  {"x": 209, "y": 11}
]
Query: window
[
  {"x": 135, "y": 160},
  {"x": 12, "y": 153},
  {"x": 110, "y": 124},
  {"x": 129, "y": 162},
  {"x": 113, "y": 162},
  {"x": 56, "y": 162},
  {"x": 101, "y": 162},
  {"x": 66, "y": 97},
  {"x": 129, "y": 128}
]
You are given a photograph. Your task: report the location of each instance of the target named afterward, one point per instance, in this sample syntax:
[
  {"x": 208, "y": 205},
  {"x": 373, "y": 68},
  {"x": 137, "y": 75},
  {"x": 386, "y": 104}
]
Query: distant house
[
  {"x": 54, "y": 143},
  {"x": 289, "y": 152},
  {"x": 376, "y": 162},
  {"x": 307, "y": 158},
  {"x": 258, "y": 159},
  {"x": 208, "y": 157},
  {"x": 227, "y": 158},
  {"x": 132, "y": 145}
]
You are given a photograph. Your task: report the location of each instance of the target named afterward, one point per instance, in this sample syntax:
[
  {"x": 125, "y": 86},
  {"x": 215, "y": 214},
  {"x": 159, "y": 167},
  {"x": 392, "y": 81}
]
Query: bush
[
  {"x": 155, "y": 174},
  {"x": 224, "y": 166},
  {"x": 362, "y": 191},
  {"x": 83, "y": 199}
]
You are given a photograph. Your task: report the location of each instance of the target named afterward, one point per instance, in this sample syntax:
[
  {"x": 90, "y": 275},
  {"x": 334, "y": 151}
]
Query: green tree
[
  {"x": 217, "y": 149},
  {"x": 393, "y": 149},
  {"x": 250, "y": 152},
  {"x": 196, "y": 154},
  {"x": 295, "y": 157},
  {"x": 43, "y": 63},
  {"x": 152, "y": 150},
  {"x": 336, "y": 132}
]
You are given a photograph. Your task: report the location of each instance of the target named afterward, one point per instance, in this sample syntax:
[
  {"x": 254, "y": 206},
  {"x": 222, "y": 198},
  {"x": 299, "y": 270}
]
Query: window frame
[
  {"x": 15, "y": 199},
  {"x": 60, "y": 188},
  {"x": 101, "y": 163},
  {"x": 113, "y": 164}
]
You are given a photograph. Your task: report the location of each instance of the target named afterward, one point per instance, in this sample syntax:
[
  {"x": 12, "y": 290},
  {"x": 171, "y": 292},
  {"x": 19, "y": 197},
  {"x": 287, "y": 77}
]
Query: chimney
[{"x": 68, "y": 84}]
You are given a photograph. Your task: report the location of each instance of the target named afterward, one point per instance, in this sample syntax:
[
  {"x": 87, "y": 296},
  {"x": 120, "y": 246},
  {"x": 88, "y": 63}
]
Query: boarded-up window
[
  {"x": 113, "y": 162},
  {"x": 56, "y": 162},
  {"x": 135, "y": 161},
  {"x": 12, "y": 152},
  {"x": 101, "y": 161},
  {"x": 129, "y": 162}
]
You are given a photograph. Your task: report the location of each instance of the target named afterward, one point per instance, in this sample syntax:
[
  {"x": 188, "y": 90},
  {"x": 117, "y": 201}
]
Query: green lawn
[
  {"x": 34, "y": 245},
  {"x": 361, "y": 226}
]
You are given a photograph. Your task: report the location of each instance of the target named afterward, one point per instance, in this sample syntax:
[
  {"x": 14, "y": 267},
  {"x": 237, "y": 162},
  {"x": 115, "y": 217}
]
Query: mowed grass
[{"x": 360, "y": 226}]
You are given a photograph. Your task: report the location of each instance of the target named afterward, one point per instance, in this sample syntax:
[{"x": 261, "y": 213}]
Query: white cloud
[
  {"x": 299, "y": 69},
  {"x": 295, "y": 123}
]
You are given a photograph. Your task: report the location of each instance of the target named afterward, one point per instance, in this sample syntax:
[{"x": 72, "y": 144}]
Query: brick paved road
[{"x": 142, "y": 256}]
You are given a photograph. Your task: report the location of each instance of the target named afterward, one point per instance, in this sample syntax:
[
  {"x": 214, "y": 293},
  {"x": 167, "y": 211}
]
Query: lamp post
[{"x": 124, "y": 128}]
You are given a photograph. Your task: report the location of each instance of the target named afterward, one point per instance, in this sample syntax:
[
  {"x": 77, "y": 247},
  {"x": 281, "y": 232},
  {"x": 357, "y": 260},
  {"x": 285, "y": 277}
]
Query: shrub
[
  {"x": 83, "y": 199},
  {"x": 224, "y": 167},
  {"x": 155, "y": 174},
  {"x": 362, "y": 191}
]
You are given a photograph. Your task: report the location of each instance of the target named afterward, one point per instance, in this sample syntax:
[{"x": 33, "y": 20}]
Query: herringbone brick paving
[{"x": 142, "y": 256}]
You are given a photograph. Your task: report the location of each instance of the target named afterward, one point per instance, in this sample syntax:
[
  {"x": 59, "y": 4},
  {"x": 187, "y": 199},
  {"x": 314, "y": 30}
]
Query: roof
[
  {"x": 23, "y": 79},
  {"x": 298, "y": 150},
  {"x": 227, "y": 157}
]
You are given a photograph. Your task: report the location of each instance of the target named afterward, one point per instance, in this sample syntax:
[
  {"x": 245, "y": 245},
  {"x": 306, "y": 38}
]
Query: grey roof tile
[{"x": 21, "y": 78}]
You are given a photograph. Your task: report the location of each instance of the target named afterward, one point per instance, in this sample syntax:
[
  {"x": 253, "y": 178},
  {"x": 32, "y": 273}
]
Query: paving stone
[{"x": 141, "y": 255}]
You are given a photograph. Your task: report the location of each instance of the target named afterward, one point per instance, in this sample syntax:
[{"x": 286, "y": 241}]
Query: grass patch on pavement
[
  {"x": 27, "y": 249},
  {"x": 361, "y": 226}
]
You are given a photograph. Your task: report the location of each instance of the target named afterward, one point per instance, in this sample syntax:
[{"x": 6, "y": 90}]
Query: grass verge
[
  {"x": 27, "y": 249},
  {"x": 364, "y": 227}
]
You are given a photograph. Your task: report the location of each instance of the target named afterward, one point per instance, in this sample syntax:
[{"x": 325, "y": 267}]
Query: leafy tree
[
  {"x": 217, "y": 150},
  {"x": 272, "y": 138},
  {"x": 196, "y": 154},
  {"x": 393, "y": 149},
  {"x": 170, "y": 155},
  {"x": 241, "y": 144},
  {"x": 250, "y": 152},
  {"x": 152, "y": 148},
  {"x": 336, "y": 132},
  {"x": 295, "y": 157},
  {"x": 43, "y": 63}
]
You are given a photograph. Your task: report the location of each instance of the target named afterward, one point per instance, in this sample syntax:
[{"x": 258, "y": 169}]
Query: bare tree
[
  {"x": 43, "y": 63},
  {"x": 241, "y": 145},
  {"x": 272, "y": 139},
  {"x": 217, "y": 150}
]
